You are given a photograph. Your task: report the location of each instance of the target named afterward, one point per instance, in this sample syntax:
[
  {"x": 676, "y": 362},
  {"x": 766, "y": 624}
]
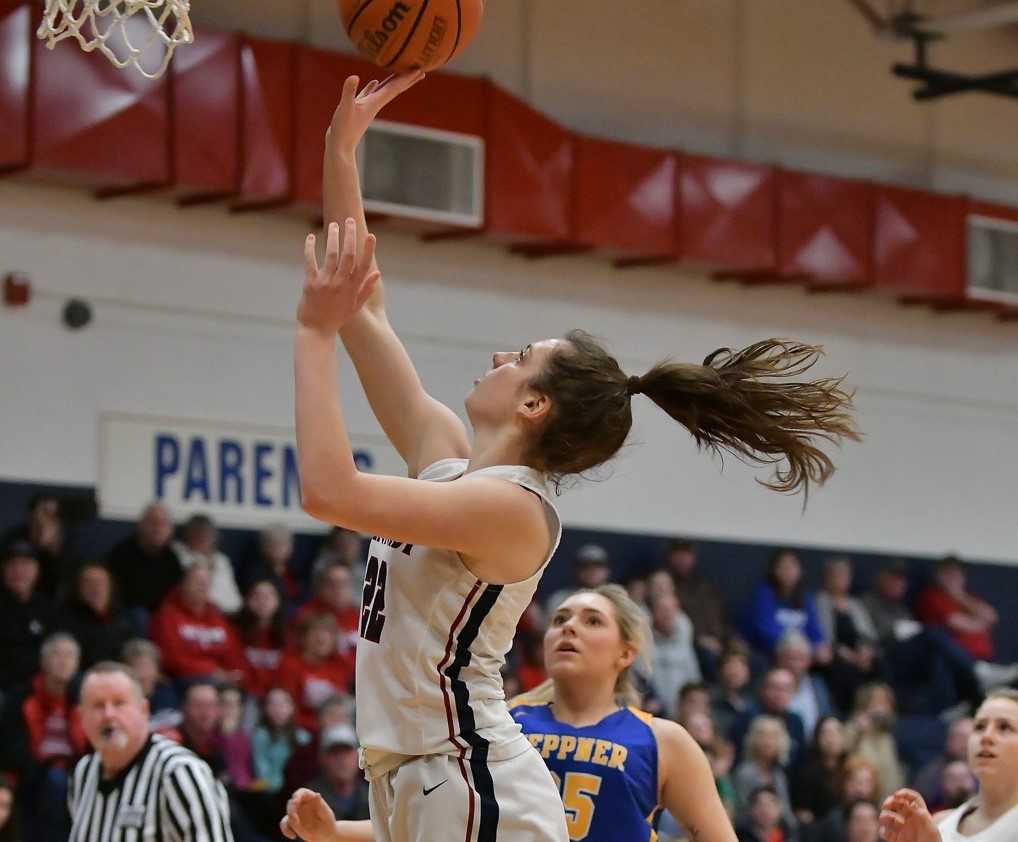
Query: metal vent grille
[
  {"x": 423, "y": 173},
  {"x": 992, "y": 259}
]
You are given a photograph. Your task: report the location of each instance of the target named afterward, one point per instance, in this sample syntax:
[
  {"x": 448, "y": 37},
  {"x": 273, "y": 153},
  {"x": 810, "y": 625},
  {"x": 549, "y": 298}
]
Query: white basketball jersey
[
  {"x": 1004, "y": 829},
  {"x": 433, "y": 640}
]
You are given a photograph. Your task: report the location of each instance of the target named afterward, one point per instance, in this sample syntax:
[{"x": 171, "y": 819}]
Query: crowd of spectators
[
  {"x": 810, "y": 705},
  {"x": 240, "y": 660}
]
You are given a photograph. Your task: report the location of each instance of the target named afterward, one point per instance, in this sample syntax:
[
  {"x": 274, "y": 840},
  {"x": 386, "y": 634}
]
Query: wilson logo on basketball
[
  {"x": 438, "y": 29},
  {"x": 372, "y": 41}
]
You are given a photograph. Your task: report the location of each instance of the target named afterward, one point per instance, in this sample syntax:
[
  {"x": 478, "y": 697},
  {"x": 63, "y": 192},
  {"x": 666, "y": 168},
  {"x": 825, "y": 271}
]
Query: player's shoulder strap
[
  {"x": 528, "y": 700},
  {"x": 646, "y": 718}
]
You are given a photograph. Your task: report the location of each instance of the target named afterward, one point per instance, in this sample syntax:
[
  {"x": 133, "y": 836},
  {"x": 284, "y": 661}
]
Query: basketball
[{"x": 410, "y": 34}]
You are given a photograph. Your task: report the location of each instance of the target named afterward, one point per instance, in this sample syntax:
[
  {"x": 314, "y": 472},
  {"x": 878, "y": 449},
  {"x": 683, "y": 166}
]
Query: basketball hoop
[{"x": 119, "y": 32}]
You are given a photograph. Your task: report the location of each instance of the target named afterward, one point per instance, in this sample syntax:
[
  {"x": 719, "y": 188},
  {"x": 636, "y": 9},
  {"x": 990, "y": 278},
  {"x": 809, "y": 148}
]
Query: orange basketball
[{"x": 410, "y": 34}]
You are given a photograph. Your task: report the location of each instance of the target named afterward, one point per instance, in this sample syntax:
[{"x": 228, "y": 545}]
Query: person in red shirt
[
  {"x": 318, "y": 671},
  {"x": 530, "y": 670},
  {"x": 333, "y": 594},
  {"x": 50, "y": 737},
  {"x": 967, "y": 618},
  {"x": 52, "y": 721},
  {"x": 196, "y": 640},
  {"x": 260, "y": 624}
]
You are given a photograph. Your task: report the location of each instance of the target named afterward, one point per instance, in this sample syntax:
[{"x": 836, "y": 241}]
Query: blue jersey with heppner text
[{"x": 606, "y": 773}]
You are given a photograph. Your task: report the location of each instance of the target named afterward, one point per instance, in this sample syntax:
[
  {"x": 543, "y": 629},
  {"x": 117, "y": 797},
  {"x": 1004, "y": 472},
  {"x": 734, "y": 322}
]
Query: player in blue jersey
[{"x": 616, "y": 766}]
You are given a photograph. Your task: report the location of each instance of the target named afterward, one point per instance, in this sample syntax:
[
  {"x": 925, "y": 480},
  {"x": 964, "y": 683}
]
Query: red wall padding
[
  {"x": 207, "y": 112},
  {"x": 529, "y": 171},
  {"x": 625, "y": 197},
  {"x": 825, "y": 229},
  {"x": 919, "y": 246},
  {"x": 727, "y": 213},
  {"x": 15, "y": 58},
  {"x": 320, "y": 76},
  {"x": 268, "y": 77},
  {"x": 444, "y": 101},
  {"x": 249, "y": 119},
  {"x": 98, "y": 124}
]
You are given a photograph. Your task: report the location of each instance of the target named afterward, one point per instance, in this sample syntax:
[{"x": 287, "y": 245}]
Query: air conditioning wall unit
[
  {"x": 423, "y": 173},
  {"x": 992, "y": 259}
]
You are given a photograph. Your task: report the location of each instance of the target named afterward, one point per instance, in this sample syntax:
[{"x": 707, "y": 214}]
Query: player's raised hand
[
  {"x": 356, "y": 110},
  {"x": 334, "y": 293},
  {"x": 904, "y": 817},
  {"x": 309, "y": 817}
]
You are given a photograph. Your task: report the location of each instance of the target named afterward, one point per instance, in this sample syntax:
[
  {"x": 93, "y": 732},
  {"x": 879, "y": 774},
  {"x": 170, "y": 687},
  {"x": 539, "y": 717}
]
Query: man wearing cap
[
  {"x": 340, "y": 782},
  {"x": 26, "y": 615},
  {"x": 591, "y": 568}
]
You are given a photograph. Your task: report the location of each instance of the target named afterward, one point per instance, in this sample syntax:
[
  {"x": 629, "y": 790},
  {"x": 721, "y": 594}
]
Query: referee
[{"x": 138, "y": 786}]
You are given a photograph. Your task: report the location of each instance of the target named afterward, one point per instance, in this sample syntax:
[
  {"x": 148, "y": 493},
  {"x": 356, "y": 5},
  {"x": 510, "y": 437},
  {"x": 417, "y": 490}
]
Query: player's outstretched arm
[
  {"x": 311, "y": 819},
  {"x": 500, "y": 528},
  {"x": 688, "y": 790},
  {"x": 420, "y": 428}
]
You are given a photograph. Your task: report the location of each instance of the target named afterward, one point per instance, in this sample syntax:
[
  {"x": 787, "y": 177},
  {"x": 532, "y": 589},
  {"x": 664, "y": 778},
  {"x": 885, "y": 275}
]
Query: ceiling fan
[{"x": 905, "y": 21}]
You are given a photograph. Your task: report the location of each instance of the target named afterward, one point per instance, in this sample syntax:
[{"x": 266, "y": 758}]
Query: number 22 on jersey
[{"x": 373, "y": 600}]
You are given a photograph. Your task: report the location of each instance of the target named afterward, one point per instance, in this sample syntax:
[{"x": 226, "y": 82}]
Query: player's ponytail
[{"x": 744, "y": 402}]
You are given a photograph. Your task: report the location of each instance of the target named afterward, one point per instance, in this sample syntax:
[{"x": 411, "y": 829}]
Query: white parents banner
[{"x": 240, "y": 474}]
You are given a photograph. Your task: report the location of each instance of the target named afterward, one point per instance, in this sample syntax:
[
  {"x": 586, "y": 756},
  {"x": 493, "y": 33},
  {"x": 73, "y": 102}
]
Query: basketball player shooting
[{"x": 463, "y": 540}]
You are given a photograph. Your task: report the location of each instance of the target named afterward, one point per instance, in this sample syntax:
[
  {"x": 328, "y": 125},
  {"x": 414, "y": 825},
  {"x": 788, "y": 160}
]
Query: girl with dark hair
[
  {"x": 276, "y": 738},
  {"x": 466, "y": 537},
  {"x": 262, "y": 636},
  {"x": 763, "y": 820},
  {"x": 780, "y": 604},
  {"x": 784, "y": 576},
  {"x": 815, "y": 782}
]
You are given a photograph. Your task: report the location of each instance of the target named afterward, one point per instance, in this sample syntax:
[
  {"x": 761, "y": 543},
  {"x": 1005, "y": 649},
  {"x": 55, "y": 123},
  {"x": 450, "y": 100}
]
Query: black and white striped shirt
[{"x": 166, "y": 794}]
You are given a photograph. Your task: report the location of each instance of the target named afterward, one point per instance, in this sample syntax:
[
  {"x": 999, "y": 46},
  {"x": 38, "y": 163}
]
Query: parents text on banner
[{"x": 240, "y": 474}]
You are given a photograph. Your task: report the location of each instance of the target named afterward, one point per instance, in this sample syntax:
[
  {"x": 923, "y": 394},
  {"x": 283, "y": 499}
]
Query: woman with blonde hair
[
  {"x": 616, "y": 767},
  {"x": 766, "y": 751},
  {"x": 870, "y": 733},
  {"x": 990, "y": 816}
]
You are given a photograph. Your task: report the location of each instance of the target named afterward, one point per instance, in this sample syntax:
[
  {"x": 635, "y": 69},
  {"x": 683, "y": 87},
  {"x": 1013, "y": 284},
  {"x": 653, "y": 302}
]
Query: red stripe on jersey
[
  {"x": 441, "y": 678},
  {"x": 470, "y": 791}
]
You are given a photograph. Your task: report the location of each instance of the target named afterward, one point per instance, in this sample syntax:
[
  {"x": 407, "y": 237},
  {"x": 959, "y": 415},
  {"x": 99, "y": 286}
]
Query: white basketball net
[{"x": 110, "y": 26}]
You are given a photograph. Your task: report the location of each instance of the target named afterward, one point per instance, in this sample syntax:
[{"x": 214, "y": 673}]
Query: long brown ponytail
[{"x": 743, "y": 402}]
